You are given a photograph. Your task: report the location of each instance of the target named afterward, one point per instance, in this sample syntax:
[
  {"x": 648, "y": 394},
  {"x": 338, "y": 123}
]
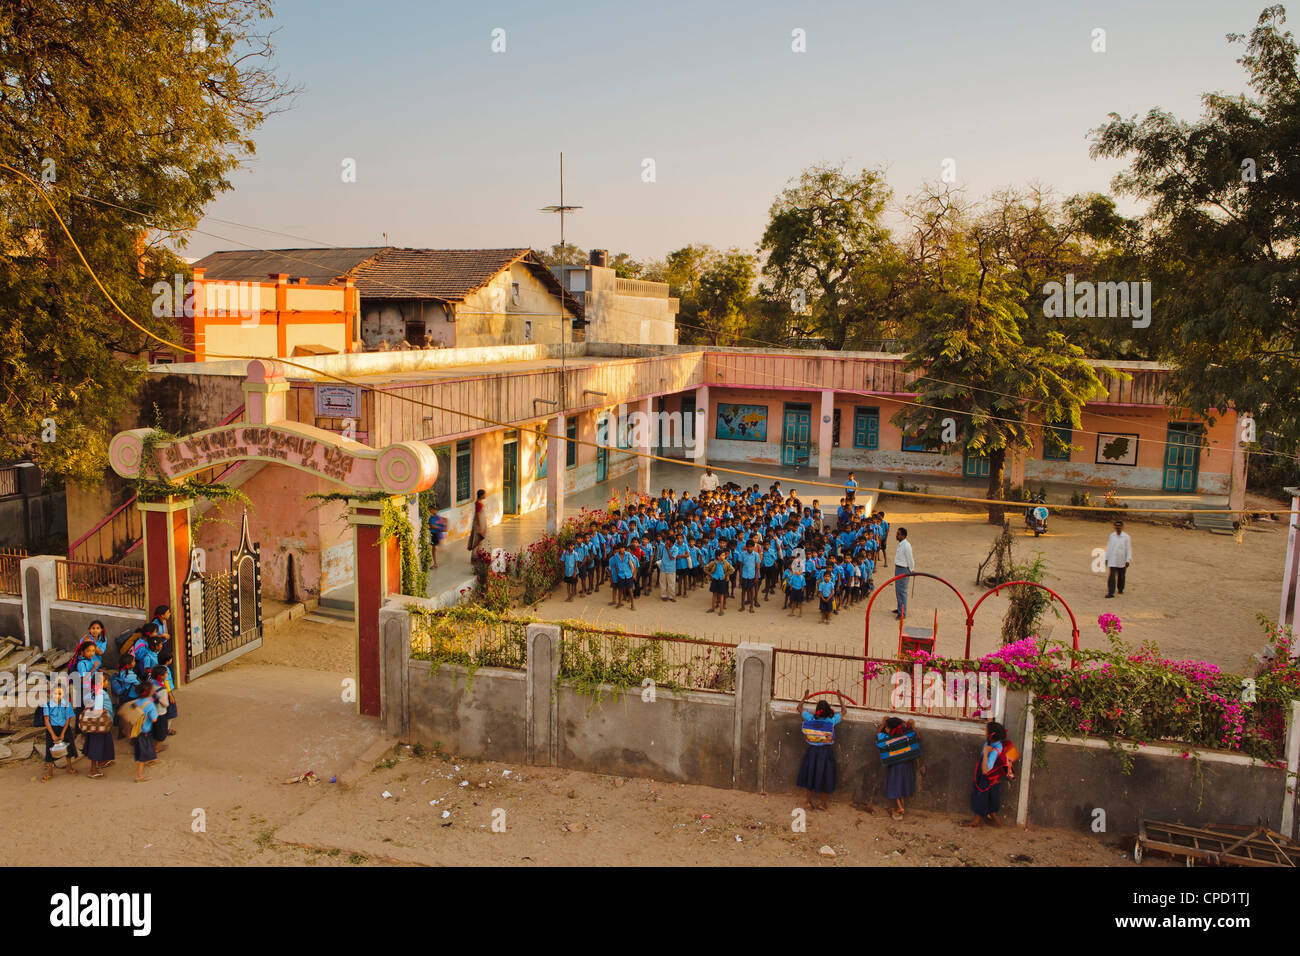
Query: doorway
[{"x": 510, "y": 477}]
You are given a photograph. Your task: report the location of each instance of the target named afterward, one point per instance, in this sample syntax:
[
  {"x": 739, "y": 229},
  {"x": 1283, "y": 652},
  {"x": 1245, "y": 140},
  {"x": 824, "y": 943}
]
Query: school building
[{"x": 524, "y": 424}]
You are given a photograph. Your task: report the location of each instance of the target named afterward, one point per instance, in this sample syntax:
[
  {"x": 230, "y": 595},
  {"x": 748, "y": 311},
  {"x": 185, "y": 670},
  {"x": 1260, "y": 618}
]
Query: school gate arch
[{"x": 373, "y": 474}]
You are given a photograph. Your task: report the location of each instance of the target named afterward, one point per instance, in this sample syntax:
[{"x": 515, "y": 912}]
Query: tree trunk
[{"x": 997, "y": 467}]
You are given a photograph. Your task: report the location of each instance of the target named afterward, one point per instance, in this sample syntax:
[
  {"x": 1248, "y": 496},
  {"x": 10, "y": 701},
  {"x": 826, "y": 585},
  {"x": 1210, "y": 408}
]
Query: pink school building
[{"x": 773, "y": 410}]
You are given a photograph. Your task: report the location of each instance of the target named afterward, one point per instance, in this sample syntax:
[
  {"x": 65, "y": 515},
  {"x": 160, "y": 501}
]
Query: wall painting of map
[
  {"x": 742, "y": 422},
  {"x": 1117, "y": 449}
]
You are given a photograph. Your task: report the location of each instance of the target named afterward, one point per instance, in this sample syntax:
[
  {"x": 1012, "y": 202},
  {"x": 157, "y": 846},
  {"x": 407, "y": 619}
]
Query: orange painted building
[{"x": 273, "y": 318}]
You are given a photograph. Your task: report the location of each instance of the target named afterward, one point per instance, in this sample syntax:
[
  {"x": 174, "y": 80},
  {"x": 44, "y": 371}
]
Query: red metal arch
[
  {"x": 970, "y": 612},
  {"x": 1074, "y": 625},
  {"x": 866, "y": 644}
]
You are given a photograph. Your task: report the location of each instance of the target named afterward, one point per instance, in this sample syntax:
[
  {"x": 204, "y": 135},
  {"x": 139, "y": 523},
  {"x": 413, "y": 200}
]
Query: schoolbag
[{"x": 902, "y": 748}]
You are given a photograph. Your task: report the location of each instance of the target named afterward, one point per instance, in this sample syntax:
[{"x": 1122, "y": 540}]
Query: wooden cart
[{"x": 1219, "y": 844}]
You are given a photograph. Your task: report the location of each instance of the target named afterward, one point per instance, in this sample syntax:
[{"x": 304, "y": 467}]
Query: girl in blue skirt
[
  {"x": 99, "y": 747},
  {"x": 900, "y": 778},
  {"x": 986, "y": 791},
  {"x": 817, "y": 772}
]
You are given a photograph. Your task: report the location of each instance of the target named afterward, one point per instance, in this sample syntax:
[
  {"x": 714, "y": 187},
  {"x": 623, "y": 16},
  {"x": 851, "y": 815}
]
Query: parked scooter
[{"x": 1036, "y": 515}]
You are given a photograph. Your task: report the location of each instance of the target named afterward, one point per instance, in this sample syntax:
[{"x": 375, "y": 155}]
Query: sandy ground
[
  {"x": 1193, "y": 593},
  {"x": 276, "y": 713}
]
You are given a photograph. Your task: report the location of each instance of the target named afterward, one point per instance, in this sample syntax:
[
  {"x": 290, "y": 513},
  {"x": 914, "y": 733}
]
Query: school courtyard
[{"x": 1192, "y": 592}]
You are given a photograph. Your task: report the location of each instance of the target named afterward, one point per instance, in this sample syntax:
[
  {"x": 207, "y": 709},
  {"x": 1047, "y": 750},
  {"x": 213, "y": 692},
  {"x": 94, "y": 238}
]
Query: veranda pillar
[
  {"x": 167, "y": 546},
  {"x": 643, "y": 444},
  {"x": 556, "y": 468},
  {"x": 700, "y": 427},
  {"x": 377, "y": 573},
  {"x": 825, "y": 435}
]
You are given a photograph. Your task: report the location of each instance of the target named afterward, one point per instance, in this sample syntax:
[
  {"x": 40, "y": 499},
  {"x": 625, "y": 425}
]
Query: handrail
[{"x": 72, "y": 548}]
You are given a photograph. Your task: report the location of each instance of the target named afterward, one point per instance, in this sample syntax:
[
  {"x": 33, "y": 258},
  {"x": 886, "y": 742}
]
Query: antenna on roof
[
  {"x": 562, "y": 209},
  {"x": 385, "y": 238}
]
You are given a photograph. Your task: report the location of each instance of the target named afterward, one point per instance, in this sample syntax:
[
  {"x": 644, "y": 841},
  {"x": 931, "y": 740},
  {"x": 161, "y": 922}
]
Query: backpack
[{"x": 902, "y": 748}]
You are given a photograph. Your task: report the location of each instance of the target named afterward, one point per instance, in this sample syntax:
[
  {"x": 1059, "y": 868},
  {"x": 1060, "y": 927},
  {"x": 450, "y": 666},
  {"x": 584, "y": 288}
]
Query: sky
[{"x": 457, "y": 146}]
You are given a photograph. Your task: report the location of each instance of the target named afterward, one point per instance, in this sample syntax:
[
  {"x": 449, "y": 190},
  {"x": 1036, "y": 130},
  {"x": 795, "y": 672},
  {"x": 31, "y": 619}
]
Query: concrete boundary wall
[
  {"x": 749, "y": 741},
  {"x": 46, "y": 622}
]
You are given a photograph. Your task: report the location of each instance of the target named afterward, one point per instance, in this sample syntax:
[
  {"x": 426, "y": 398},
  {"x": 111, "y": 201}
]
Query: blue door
[
  {"x": 796, "y": 434},
  {"x": 510, "y": 479},
  {"x": 1182, "y": 457}
]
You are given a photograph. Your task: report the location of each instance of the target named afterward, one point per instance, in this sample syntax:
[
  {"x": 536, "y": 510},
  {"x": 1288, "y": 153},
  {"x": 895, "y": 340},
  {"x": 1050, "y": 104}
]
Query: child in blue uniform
[
  {"x": 817, "y": 772},
  {"x": 826, "y": 591},
  {"x": 99, "y": 746},
  {"x": 145, "y": 753},
  {"x": 60, "y": 727},
  {"x": 569, "y": 559}
]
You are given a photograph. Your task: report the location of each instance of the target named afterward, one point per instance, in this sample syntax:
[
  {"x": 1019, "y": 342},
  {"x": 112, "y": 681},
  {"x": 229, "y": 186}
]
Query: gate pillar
[
  {"x": 377, "y": 573},
  {"x": 166, "y": 548}
]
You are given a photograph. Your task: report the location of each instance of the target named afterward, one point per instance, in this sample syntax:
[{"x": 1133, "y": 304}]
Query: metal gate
[{"x": 223, "y": 609}]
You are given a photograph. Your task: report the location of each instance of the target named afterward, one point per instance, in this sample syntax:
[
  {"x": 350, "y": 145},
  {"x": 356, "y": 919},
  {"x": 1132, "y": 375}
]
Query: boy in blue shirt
[
  {"x": 60, "y": 727},
  {"x": 145, "y": 751},
  {"x": 749, "y": 561},
  {"x": 569, "y": 559},
  {"x": 826, "y": 591},
  {"x": 794, "y": 591}
]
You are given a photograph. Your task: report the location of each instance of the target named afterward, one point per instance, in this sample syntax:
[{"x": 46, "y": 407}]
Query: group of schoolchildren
[
  {"x": 732, "y": 537},
  {"x": 141, "y": 690},
  {"x": 899, "y": 750}
]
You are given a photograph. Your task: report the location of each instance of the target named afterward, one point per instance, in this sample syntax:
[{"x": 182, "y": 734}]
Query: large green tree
[
  {"x": 980, "y": 381},
  {"x": 823, "y": 229},
  {"x": 1223, "y": 243},
  {"x": 130, "y": 114}
]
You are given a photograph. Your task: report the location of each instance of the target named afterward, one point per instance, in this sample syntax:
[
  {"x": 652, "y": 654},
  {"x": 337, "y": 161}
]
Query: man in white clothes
[
  {"x": 1119, "y": 553},
  {"x": 904, "y": 563},
  {"x": 708, "y": 480}
]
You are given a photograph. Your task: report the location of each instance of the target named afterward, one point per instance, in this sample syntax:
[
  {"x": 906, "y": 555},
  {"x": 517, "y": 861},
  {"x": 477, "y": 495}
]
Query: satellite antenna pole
[{"x": 562, "y": 209}]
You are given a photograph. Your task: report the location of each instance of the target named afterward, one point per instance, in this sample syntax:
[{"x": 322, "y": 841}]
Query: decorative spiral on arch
[
  {"x": 407, "y": 467},
  {"x": 126, "y": 450}
]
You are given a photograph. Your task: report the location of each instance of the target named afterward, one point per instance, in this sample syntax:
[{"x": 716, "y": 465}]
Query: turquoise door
[
  {"x": 796, "y": 435},
  {"x": 510, "y": 479},
  {"x": 1182, "y": 457},
  {"x": 602, "y": 462},
  {"x": 974, "y": 466}
]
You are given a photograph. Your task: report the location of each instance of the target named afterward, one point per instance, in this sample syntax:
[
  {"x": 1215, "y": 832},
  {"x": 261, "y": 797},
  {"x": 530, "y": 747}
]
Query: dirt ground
[
  {"x": 276, "y": 713},
  {"x": 1193, "y": 593}
]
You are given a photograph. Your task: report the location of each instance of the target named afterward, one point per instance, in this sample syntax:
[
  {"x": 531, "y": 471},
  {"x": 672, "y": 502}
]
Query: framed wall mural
[
  {"x": 741, "y": 422},
  {"x": 1117, "y": 449}
]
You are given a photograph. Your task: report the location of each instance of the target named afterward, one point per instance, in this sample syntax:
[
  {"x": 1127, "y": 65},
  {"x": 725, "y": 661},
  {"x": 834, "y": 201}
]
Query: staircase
[
  {"x": 337, "y": 604},
  {"x": 1217, "y": 523},
  {"x": 117, "y": 538}
]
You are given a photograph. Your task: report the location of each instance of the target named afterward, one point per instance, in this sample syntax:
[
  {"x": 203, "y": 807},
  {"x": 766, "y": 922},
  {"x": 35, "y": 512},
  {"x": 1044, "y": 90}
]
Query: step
[
  {"x": 339, "y": 598},
  {"x": 1213, "y": 522},
  {"x": 337, "y": 613}
]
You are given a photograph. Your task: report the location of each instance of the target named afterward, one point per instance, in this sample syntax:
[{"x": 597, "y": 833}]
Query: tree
[
  {"x": 725, "y": 290},
  {"x": 131, "y": 117},
  {"x": 977, "y": 378},
  {"x": 572, "y": 256},
  {"x": 1223, "y": 225},
  {"x": 821, "y": 230}
]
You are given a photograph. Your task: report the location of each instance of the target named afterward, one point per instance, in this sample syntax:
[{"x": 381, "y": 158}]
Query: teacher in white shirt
[
  {"x": 1119, "y": 553},
  {"x": 904, "y": 563},
  {"x": 708, "y": 480}
]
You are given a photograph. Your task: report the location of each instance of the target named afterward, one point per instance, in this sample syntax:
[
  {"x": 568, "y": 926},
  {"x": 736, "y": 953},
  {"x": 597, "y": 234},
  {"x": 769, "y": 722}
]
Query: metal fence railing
[
  {"x": 10, "y": 579},
  {"x": 8, "y": 481},
  {"x": 110, "y": 585},
  {"x": 801, "y": 670},
  {"x": 469, "y": 643},
  {"x": 598, "y": 656}
]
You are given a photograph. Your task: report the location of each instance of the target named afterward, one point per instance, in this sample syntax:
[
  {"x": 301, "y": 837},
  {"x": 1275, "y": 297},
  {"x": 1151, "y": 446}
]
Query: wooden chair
[{"x": 917, "y": 637}]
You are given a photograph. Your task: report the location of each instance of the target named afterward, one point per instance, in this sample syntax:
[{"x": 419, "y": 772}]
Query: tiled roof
[
  {"x": 317, "y": 266},
  {"x": 384, "y": 272}
]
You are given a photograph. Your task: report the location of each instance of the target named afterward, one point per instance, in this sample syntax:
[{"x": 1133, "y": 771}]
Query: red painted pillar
[
  {"x": 166, "y": 527},
  {"x": 377, "y": 573}
]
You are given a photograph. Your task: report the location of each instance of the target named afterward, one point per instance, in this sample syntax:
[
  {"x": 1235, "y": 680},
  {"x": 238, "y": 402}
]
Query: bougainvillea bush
[{"x": 1137, "y": 695}]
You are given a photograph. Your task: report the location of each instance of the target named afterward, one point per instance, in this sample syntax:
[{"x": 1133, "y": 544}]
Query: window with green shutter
[
  {"x": 1063, "y": 431},
  {"x": 464, "y": 462},
  {"x": 571, "y": 449}
]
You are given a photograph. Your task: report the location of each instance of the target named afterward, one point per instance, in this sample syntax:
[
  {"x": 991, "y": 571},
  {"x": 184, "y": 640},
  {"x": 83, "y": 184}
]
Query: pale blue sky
[{"x": 457, "y": 146}]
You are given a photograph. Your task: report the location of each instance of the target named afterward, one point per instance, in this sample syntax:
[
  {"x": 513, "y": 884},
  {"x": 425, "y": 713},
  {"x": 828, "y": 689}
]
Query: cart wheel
[{"x": 1137, "y": 851}]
